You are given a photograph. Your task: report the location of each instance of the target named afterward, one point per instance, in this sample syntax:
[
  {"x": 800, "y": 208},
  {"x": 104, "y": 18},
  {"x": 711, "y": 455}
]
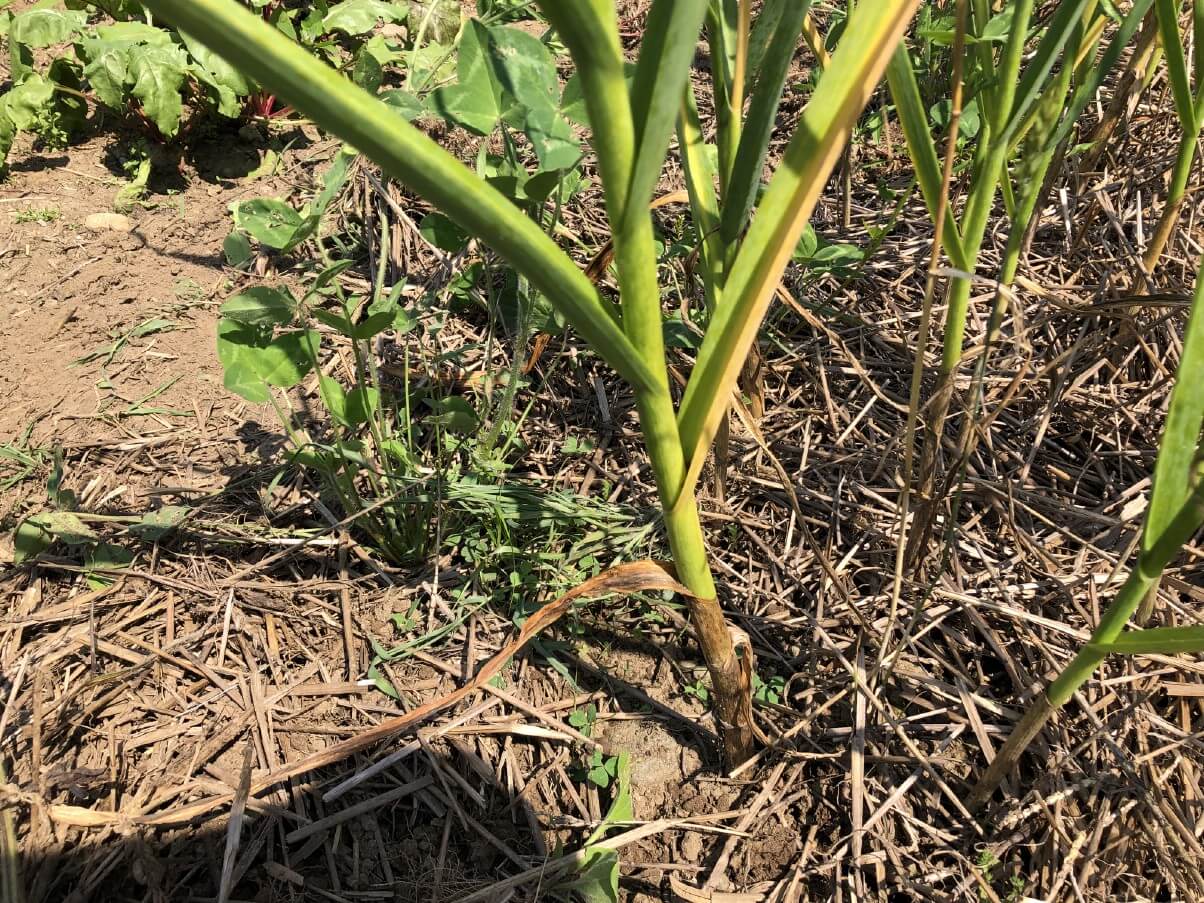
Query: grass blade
[
  {"x": 1181, "y": 436},
  {"x": 1162, "y": 538},
  {"x": 704, "y": 202},
  {"x": 1155, "y": 641},
  {"x": 723, "y": 34},
  {"x": 870, "y": 37},
  {"x": 914, "y": 121},
  {"x": 1061, "y": 26},
  {"x": 670, "y": 38},
  {"x": 758, "y": 125},
  {"x": 764, "y": 29},
  {"x": 1085, "y": 91},
  {"x": 1176, "y": 62},
  {"x": 287, "y": 70}
]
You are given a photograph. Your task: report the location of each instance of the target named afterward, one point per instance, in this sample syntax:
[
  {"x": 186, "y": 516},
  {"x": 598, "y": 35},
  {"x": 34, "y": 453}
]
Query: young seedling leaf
[
  {"x": 598, "y": 879},
  {"x": 252, "y": 359},
  {"x": 67, "y": 526},
  {"x": 406, "y": 104},
  {"x": 30, "y": 540},
  {"x": 362, "y": 405},
  {"x": 441, "y": 232},
  {"x": 334, "y": 397},
  {"x": 410, "y": 156},
  {"x": 105, "y": 556},
  {"x": 475, "y": 101},
  {"x": 236, "y": 248}
]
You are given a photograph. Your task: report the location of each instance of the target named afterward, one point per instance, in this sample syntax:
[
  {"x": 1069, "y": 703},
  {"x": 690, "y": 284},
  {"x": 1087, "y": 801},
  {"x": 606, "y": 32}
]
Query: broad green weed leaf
[
  {"x": 106, "y": 556},
  {"x": 524, "y": 67},
  {"x": 430, "y": 64},
  {"x": 28, "y": 102},
  {"x": 442, "y": 233},
  {"x": 368, "y": 73},
  {"x": 261, "y": 305},
  {"x": 552, "y": 137},
  {"x": 70, "y": 111},
  {"x": 373, "y": 325},
  {"x": 30, "y": 540},
  {"x": 157, "y": 524},
  {"x": 598, "y": 880},
  {"x": 288, "y": 358},
  {"x": 474, "y": 102},
  {"x": 251, "y": 358},
  {"x": 66, "y": 526},
  {"x": 8, "y": 133},
  {"x": 357, "y": 17},
  {"x": 338, "y": 322},
  {"x": 808, "y": 244},
  {"x": 107, "y": 70},
  {"x": 438, "y": 20},
  {"x": 237, "y": 249},
  {"x": 328, "y": 275},
  {"x": 230, "y": 85},
  {"x": 133, "y": 33},
  {"x": 272, "y": 223},
  {"x": 362, "y": 404},
  {"x": 542, "y": 184},
  {"x": 334, "y": 397},
  {"x": 621, "y": 809},
  {"x": 572, "y": 103},
  {"x": 406, "y": 104},
  {"x": 454, "y": 414}
]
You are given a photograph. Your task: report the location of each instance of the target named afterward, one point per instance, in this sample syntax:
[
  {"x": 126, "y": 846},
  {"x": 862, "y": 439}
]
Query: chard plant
[
  {"x": 631, "y": 130},
  {"x": 130, "y": 64}
]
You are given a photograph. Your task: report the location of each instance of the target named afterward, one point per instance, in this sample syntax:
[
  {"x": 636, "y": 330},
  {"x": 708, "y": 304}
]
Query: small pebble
[{"x": 108, "y": 222}]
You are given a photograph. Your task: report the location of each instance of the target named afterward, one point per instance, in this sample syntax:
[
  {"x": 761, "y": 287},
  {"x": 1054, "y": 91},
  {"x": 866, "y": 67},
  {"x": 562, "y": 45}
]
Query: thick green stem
[{"x": 730, "y": 676}]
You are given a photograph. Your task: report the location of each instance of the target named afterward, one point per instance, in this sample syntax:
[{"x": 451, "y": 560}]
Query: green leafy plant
[
  {"x": 128, "y": 63},
  {"x": 631, "y": 128},
  {"x": 583, "y": 719},
  {"x": 67, "y": 523},
  {"x": 597, "y": 878}
]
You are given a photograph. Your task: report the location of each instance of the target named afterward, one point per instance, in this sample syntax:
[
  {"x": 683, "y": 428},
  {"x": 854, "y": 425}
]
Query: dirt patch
[{"x": 111, "y": 331}]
